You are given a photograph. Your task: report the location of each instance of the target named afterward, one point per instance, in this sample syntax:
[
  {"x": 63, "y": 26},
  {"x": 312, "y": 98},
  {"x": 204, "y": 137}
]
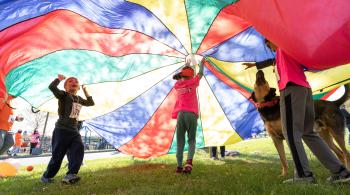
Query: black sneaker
[
  {"x": 70, "y": 179},
  {"x": 46, "y": 180},
  {"x": 343, "y": 176},
  {"x": 338, "y": 178}
]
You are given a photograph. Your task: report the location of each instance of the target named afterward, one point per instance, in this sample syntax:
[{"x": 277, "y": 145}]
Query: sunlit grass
[{"x": 255, "y": 171}]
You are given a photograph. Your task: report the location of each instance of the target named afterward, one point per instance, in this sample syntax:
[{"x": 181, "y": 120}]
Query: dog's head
[
  {"x": 260, "y": 78},
  {"x": 261, "y": 87}
]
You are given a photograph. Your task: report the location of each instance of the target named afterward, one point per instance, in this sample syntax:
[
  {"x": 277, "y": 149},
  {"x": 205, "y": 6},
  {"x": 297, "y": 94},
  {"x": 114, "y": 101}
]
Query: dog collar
[{"x": 267, "y": 104}]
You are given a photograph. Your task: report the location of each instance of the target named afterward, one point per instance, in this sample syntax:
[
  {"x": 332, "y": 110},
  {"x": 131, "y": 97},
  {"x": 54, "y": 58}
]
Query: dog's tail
[{"x": 345, "y": 97}]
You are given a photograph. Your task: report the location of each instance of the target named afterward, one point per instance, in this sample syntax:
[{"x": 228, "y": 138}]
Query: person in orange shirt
[
  {"x": 18, "y": 143},
  {"x": 6, "y": 121}
]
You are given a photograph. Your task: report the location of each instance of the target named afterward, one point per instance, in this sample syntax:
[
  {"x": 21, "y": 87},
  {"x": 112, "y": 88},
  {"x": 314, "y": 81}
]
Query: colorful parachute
[
  {"x": 126, "y": 53},
  {"x": 316, "y": 33}
]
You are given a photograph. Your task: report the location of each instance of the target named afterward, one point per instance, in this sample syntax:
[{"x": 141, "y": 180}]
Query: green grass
[{"x": 255, "y": 171}]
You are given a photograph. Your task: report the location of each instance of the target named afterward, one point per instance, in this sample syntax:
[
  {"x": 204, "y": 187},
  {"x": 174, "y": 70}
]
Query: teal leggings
[{"x": 186, "y": 121}]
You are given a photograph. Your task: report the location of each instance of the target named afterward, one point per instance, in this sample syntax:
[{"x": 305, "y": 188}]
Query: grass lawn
[{"x": 255, "y": 171}]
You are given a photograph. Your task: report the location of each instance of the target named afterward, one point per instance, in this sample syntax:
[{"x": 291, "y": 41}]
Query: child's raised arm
[
  {"x": 85, "y": 91},
  {"x": 53, "y": 86},
  {"x": 89, "y": 101},
  {"x": 201, "y": 67}
]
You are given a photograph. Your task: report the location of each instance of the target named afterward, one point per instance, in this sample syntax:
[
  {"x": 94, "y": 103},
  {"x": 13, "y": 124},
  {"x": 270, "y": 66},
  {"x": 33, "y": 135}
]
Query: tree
[{"x": 34, "y": 120}]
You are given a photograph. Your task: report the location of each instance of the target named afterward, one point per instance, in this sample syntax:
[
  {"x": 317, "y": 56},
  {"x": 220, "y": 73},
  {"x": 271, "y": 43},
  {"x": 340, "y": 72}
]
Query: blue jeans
[{"x": 6, "y": 141}]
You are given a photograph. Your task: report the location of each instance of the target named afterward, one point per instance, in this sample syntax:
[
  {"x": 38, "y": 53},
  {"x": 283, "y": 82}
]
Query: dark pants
[
  {"x": 297, "y": 114},
  {"x": 6, "y": 141},
  {"x": 63, "y": 141},
  {"x": 32, "y": 145},
  {"x": 214, "y": 151}
]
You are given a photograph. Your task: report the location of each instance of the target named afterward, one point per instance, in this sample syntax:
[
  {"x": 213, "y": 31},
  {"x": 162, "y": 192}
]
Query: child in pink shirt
[{"x": 186, "y": 113}]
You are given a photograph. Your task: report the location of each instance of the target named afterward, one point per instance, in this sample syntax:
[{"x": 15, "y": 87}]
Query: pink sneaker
[
  {"x": 179, "y": 169},
  {"x": 188, "y": 166}
]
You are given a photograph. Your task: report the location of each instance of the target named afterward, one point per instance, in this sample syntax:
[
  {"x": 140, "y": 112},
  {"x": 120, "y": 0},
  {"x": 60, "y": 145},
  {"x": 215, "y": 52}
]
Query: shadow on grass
[
  {"x": 155, "y": 176},
  {"x": 245, "y": 174}
]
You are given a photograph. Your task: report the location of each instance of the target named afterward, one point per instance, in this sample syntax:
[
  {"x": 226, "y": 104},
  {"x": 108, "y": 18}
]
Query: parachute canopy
[
  {"x": 126, "y": 52},
  {"x": 316, "y": 33}
]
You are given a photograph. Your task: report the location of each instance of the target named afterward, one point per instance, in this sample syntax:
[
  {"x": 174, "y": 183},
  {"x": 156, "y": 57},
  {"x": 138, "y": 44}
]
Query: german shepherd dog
[{"x": 329, "y": 121}]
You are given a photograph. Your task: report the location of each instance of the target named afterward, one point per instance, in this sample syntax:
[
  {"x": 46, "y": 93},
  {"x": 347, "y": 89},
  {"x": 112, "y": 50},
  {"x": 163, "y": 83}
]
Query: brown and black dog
[{"x": 329, "y": 121}]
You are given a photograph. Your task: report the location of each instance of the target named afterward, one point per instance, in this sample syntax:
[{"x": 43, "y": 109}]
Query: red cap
[{"x": 187, "y": 72}]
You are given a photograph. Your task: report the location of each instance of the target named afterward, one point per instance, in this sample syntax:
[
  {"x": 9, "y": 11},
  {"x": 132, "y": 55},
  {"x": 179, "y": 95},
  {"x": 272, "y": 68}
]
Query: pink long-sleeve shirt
[
  {"x": 289, "y": 70},
  {"x": 186, "y": 96}
]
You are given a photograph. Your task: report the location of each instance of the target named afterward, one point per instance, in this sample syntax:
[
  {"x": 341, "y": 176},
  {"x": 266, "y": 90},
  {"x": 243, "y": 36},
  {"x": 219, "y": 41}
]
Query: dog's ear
[
  {"x": 270, "y": 95},
  {"x": 273, "y": 91}
]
